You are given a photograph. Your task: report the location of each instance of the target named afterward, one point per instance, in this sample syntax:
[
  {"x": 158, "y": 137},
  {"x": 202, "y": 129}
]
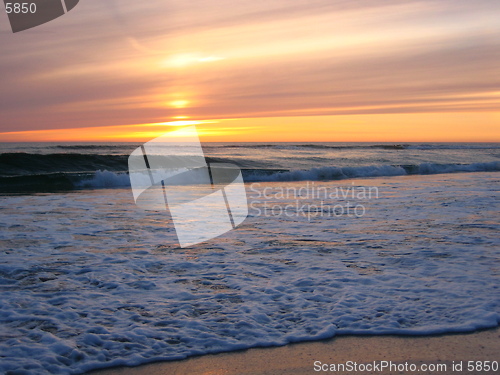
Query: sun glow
[
  {"x": 434, "y": 127},
  {"x": 184, "y": 60},
  {"x": 120, "y": 133},
  {"x": 179, "y": 123},
  {"x": 179, "y": 103}
]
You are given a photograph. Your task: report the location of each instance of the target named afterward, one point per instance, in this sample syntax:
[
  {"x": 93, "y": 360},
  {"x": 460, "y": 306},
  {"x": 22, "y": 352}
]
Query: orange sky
[{"x": 316, "y": 70}]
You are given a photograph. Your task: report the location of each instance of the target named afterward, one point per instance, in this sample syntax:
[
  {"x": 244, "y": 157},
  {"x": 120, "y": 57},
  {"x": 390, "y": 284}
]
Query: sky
[{"x": 260, "y": 70}]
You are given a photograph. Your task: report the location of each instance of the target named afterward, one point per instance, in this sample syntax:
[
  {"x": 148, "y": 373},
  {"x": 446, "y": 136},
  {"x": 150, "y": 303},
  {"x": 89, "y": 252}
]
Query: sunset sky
[{"x": 273, "y": 70}]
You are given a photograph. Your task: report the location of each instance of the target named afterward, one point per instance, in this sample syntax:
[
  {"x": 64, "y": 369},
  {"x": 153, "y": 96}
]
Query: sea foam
[
  {"x": 108, "y": 179},
  {"x": 88, "y": 280}
]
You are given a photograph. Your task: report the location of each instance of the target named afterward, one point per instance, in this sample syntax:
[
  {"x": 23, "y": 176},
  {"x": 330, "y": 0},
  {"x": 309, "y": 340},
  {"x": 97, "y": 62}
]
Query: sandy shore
[{"x": 299, "y": 358}]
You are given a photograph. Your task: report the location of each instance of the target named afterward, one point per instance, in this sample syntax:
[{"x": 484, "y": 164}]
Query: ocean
[
  {"x": 341, "y": 238},
  {"x": 48, "y": 167}
]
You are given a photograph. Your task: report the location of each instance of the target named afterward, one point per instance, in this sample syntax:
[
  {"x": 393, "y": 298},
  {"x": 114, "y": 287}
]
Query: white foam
[
  {"x": 341, "y": 173},
  {"x": 106, "y": 179},
  {"x": 89, "y": 281}
]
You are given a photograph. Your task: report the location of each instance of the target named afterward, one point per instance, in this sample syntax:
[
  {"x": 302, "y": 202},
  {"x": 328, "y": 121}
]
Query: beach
[
  {"x": 449, "y": 350},
  {"x": 90, "y": 280},
  {"x": 249, "y": 187}
]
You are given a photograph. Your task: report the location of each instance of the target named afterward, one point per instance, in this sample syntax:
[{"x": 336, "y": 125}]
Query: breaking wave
[{"x": 63, "y": 181}]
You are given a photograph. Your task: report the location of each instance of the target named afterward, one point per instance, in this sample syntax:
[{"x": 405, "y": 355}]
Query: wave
[
  {"x": 101, "y": 179},
  {"x": 288, "y": 146},
  {"x": 341, "y": 173},
  {"x": 358, "y": 146},
  {"x": 57, "y": 182},
  {"x": 24, "y": 164},
  {"x": 93, "y": 147},
  {"x": 105, "y": 179},
  {"x": 454, "y": 146},
  {"x": 383, "y": 147}
]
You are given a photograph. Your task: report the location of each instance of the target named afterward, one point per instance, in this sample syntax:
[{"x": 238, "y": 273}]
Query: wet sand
[{"x": 300, "y": 358}]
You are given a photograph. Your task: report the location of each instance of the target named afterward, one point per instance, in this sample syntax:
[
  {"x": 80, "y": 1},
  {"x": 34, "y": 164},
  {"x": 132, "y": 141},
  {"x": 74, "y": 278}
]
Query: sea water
[{"x": 89, "y": 280}]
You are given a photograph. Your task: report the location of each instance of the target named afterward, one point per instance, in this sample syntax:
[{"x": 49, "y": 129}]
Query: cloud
[{"x": 106, "y": 63}]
